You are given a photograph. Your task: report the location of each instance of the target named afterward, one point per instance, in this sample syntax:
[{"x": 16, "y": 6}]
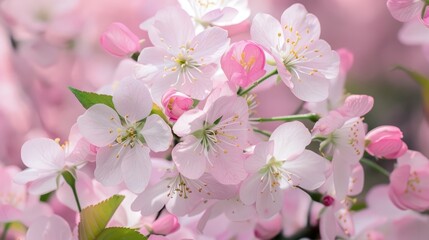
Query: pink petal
[
  {"x": 228, "y": 169},
  {"x": 99, "y": 124},
  {"x": 351, "y": 140},
  {"x": 356, "y": 105},
  {"x": 152, "y": 63},
  {"x": 108, "y": 165},
  {"x": 44, "y": 185},
  {"x": 297, "y": 17},
  {"x": 132, "y": 100},
  {"x": 345, "y": 221},
  {"x": 413, "y": 158},
  {"x": 42, "y": 153},
  {"x": 30, "y": 174},
  {"x": 189, "y": 122},
  {"x": 157, "y": 133},
  {"x": 237, "y": 210},
  {"x": 310, "y": 88},
  {"x": 249, "y": 189},
  {"x": 265, "y": 30},
  {"x": 48, "y": 228},
  {"x": 212, "y": 15},
  {"x": 404, "y": 10},
  {"x": 307, "y": 170},
  {"x": 342, "y": 172},
  {"x": 210, "y": 44},
  {"x": 172, "y": 27},
  {"x": 214, "y": 189},
  {"x": 268, "y": 203},
  {"x": 190, "y": 158},
  {"x": 152, "y": 199},
  {"x": 259, "y": 157},
  {"x": 136, "y": 168},
  {"x": 290, "y": 140},
  {"x": 356, "y": 180},
  {"x": 328, "y": 224}
]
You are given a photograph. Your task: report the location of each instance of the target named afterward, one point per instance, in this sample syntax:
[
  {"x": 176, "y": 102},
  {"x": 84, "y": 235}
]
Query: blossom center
[
  {"x": 413, "y": 183},
  {"x": 183, "y": 187},
  {"x": 273, "y": 174},
  {"x": 221, "y": 134}
]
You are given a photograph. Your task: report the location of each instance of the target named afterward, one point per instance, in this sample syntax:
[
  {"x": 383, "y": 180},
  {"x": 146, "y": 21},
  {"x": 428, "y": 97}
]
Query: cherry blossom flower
[
  {"x": 408, "y": 187},
  {"x": 219, "y": 13},
  {"x": 125, "y": 140},
  {"x": 336, "y": 218},
  {"x": 304, "y": 62},
  {"x": 46, "y": 159},
  {"x": 244, "y": 63},
  {"x": 344, "y": 131},
  {"x": 179, "y": 194},
  {"x": 278, "y": 164},
  {"x": 386, "y": 142},
  {"x": 180, "y": 59},
  {"x": 119, "y": 40},
  {"x": 213, "y": 139}
]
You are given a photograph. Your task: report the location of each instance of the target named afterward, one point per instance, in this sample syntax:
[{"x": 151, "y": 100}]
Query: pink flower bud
[
  {"x": 176, "y": 103},
  {"x": 165, "y": 225},
  {"x": 244, "y": 63},
  {"x": 328, "y": 200},
  {"x": 386, "y": 142},
  {"x": 119, "y": 41},
  {"x": 267, "y": 229}
]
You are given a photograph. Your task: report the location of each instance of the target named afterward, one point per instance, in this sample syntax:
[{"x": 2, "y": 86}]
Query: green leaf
[
  {"x": 88, "y": 99},
  {"x": 94, "y": 219},
  {"x": 120, "y": 233},
  {"x": 423, "y": 82}
]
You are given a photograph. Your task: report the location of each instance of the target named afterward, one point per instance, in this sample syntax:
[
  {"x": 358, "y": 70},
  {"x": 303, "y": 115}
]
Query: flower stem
[
  {"x": 265, "y": 133},
  {"x": 247, "y": 90},
  {"x": 375, "y": 166},
  {"x": 310, "y": 116},
  {"x": 5, "y": 230},
  {"x": 71, "y": 181}
]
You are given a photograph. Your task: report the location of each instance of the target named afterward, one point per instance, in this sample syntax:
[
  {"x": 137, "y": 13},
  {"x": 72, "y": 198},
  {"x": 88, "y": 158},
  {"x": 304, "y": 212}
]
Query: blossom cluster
[{"x": 175, "y": 148}]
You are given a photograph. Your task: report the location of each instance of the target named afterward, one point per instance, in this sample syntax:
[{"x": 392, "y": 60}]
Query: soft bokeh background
[{"x": 36, "y": 67}]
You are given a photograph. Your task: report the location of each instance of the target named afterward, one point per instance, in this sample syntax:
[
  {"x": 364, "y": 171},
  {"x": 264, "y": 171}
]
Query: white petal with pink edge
[
  {"x": 290, "y": 140},
  {"x": 157, "y": 133},
  {"x": 132, "y": 100},
  {"x": 136, "y": 168},
  {"x": 42, "y": 153},
  {"x": 99, "y": 125}
]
